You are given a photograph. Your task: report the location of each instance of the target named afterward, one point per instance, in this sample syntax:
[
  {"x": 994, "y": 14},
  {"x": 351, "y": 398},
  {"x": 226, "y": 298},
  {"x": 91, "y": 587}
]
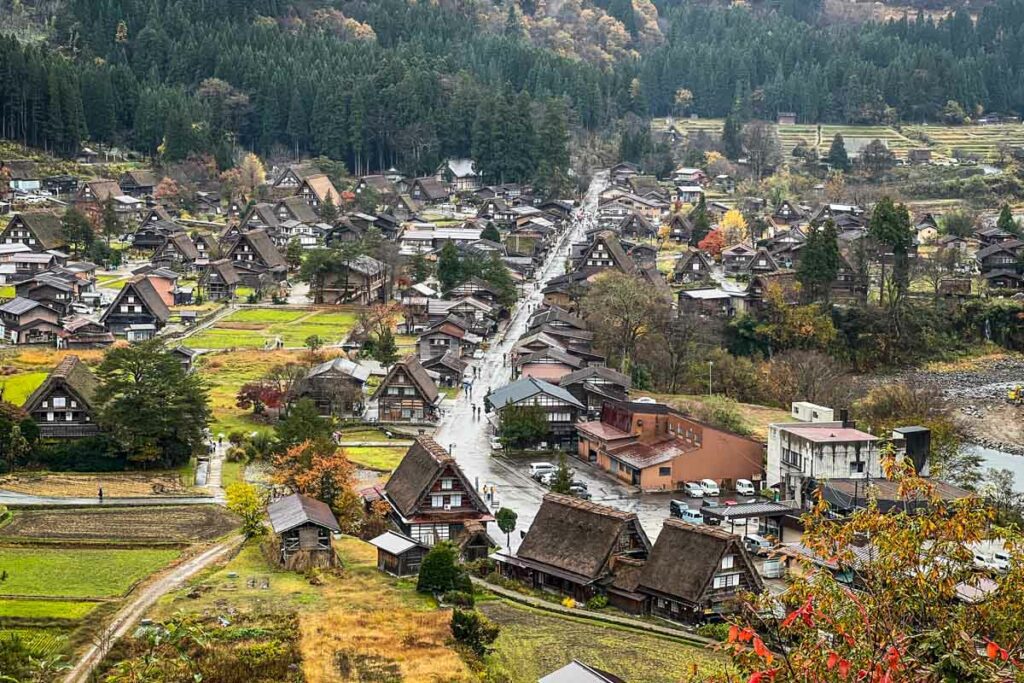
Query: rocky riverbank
[{"x": 977, "y": 390}]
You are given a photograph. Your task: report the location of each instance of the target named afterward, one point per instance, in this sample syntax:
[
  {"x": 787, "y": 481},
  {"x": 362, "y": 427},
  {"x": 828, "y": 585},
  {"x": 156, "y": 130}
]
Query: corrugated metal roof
[{"x": 296, "y": 510}]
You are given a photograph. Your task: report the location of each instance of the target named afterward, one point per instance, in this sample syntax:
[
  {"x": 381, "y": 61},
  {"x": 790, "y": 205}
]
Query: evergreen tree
[
  {"x": 701, "y": 222},
  {"x": 732, "y": 142},
  {"x": 491, "y": 233},
  {"x": 837, "y": 157},
  {"x": 1006, "y": 221},
  {"x": 562, "y": 481},
  {"x": 819, "y": 264},
  {"x": 328, "y": 211},
  {"x": 449, "y": 268},
  {"x": 76, "y": 230}
]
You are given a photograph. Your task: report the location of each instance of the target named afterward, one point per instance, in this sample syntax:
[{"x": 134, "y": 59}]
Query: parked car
[
  {"x": 548, "y": 478},
  {"x": 692, "y": 516},
  {"x": 710, "y": 487},
  {"x": 1001, "y": 560},
  {"x": 579, "y": 492},
  {"x": 745, "y": 487},
  {"x": 757, "y": 545},
  {"x": 693, "y": 489},
  {"x": 676, "y": 507},
  {"x": 538, "y": 469},
  {"x": 496, "y": 445}
]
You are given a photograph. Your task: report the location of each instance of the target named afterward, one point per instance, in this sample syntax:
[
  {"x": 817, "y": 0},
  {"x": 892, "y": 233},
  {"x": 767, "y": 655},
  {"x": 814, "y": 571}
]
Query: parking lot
[{"x": 651, "y": 508}]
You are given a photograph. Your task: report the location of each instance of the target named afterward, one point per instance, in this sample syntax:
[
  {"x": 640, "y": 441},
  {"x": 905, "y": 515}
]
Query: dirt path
[{"x": 141, "y": 601}]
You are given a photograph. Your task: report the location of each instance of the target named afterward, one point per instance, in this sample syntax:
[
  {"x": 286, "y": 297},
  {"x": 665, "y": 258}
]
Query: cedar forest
[{"x": 407, "y": 84}]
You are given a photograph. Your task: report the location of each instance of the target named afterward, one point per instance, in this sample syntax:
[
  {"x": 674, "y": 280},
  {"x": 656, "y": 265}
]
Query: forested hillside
[{"x": 395, "y": 82}]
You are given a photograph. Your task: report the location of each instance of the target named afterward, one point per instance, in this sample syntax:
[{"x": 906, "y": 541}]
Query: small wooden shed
[
  {"x": 398, "y": 555},
  {"x": 303, "y": 527}
]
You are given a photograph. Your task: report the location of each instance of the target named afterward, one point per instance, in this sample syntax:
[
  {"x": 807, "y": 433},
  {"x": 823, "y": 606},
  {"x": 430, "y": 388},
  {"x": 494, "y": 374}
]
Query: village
[{"x": 431, "y": 384}]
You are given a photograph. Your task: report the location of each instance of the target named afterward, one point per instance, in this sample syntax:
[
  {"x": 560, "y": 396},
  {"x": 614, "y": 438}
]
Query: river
[{"x": 1002, "y": 461}]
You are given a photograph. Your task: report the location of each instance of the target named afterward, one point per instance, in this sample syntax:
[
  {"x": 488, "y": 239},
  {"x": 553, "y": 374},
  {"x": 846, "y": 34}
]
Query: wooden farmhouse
[
  {"x": 303, "y": 527},
  {"x": 432, "y": 500},
  {"x": 138, "y": 303},
  {"x": 62, "y": 405},
  {"x": 574, "y": 546},
  {"x": 407, "y": 393},
  {"x": 38, "y": 230}
]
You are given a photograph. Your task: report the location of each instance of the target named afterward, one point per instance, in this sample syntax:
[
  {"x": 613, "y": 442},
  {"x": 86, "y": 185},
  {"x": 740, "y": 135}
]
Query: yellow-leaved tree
[{"x": 733, "y": 227}]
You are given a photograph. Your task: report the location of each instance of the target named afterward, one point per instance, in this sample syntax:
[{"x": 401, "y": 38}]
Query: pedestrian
[{"x": 101, "y": 495}]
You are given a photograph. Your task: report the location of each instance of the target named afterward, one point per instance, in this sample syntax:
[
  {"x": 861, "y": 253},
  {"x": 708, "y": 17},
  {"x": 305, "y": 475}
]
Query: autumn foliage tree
[
  {"x": 713, "y": 244},
  {"x": 259, "y": 396},
  {"x": 909, "y": 618},
  {"x": 321, "y": 470}
]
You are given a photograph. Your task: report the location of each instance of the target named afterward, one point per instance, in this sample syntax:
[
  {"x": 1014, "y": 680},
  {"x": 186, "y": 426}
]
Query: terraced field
[
  {"x": 256, "y": 328},
  {"x": 982, "y": 141}
]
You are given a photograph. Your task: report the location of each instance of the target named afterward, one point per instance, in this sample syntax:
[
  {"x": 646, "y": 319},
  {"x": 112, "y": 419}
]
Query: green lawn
[
  {"x": 41, "y": 642},
  {"x": 17, "y": 388},
  {"x": 534, "y": 643},
  {"x": 78, "y": 572},
  {"x": 254, "y": 327},
  {"x": 231, "y": 473},
  {"x": 383, "y": 458},
  {"x": 45, "y": 609}
]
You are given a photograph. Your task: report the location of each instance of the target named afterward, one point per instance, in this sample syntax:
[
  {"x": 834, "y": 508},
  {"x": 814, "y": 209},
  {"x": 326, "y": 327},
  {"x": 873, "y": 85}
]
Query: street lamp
[{"x": 710, "y": 363}]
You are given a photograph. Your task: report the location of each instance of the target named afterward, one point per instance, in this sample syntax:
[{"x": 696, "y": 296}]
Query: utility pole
[{"x": 710, "y": 363}]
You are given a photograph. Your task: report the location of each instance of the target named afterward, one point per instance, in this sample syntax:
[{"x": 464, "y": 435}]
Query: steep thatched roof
[
  {"x": 425, "y": 461},
  {"x": 72, "y": 374},
  {"x": 576, "y": 536},
  {"x": 687, "y": 556}
]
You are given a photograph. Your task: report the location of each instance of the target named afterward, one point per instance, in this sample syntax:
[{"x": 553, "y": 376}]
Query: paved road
[
  {"x": 469, "y": 438},
  {"x": 141, "y": 601}
]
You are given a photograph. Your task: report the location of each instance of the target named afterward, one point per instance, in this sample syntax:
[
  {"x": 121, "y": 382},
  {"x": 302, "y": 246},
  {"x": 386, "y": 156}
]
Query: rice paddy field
[
  {"x": 78, "y": 572},
  {"x": 944, "y": 141},
  {"x": 258, "y": 328}
]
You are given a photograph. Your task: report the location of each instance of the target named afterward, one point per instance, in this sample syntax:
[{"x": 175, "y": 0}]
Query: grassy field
[
  {"x": 115, "y": 484},
  {"x": 534, "y": 643},
  {"x": 17, "y": 388},
  {"x": 78, "y": 572},
  {"x": 982, "y": 141},
  {"x": 382, "y": 458},
  {"x": 254, "y": 328},
  {"x": 176, "y": 524},
  {"x": 41, "y": 642},
  {"x": 45, "y": 609},
  {"x": 226, "y": 372}
]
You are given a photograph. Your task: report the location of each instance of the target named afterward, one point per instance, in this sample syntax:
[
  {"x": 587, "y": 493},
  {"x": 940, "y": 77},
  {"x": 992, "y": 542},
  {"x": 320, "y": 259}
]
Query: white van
[
  {"x": 710, "y": 487},
  {"x": 692, "y": 516},
  {"x": 538, "y": 469},
  {"x": 745, "y": 487},
  {"x": 693, "y": 489}
]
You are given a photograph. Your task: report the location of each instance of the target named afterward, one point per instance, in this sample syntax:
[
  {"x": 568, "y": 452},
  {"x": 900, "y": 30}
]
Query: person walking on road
[{"x": 101, "y": 495}]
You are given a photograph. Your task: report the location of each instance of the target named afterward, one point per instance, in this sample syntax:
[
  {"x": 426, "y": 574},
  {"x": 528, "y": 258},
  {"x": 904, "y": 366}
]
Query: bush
[
  {"x": 597, "y": 602},
  {"x": 235, "y": 454},
  {"x": 440, "y": 571},
  {"x": 237, "y": 437},
  {"x": 92, "y": 454},
  {"x": 474, "y": 630},
  {"x": 718, "y": 631},
  {"x": 482, "y": 568},
  {"x": 458, "y": 599}
]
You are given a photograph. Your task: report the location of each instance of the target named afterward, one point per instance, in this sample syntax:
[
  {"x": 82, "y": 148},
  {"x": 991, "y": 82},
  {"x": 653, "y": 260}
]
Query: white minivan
[
  {"x": 745, "y": 487},
  {"x": 538, "y": 469},
  {"x": 692, "y": 516},
  {"x": 693, "y": 489},
  {"x": 710, "y": 487}
]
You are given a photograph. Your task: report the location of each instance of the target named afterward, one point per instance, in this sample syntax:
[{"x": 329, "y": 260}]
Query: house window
[
  {"x": 446, "y": 484},
  {"x": 664, "y": 471},
  {"x": 728, "y": 561},
  {"x": 59, "y": 401},
  {"x": 437, "y": 501},
  {"x": 727, "y": 581},
  {"x": 857, "y": 467},
  {"x": 455, "y": 501},
  {"x": 49, "y": 417}
]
